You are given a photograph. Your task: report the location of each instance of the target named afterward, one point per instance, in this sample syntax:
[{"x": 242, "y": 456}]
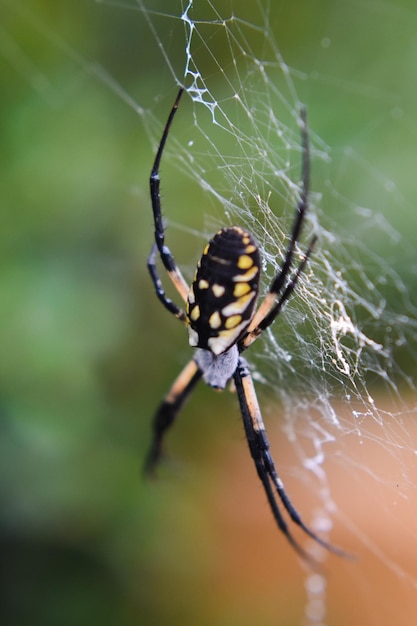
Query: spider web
[
  {"x": 351, "y": 335},
  {"x": 340, "y": 360}
]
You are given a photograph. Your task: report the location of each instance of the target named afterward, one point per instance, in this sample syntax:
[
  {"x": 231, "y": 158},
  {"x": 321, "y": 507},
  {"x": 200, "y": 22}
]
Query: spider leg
[
  {"x": 154, "y": 181},
  {"x": 279, "y": 280},
  {"x": 267, "y": 314},
  {"x": 168, "y": 304},
  {"x": 259, "y": 449},
  {"x": 168, "y": 411}
]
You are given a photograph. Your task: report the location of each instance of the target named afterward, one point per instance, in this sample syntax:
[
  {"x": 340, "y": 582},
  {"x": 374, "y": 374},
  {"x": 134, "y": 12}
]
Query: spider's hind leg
[
  {"x": 168, "y": 411},
  {"x": 265, "y": 466}
]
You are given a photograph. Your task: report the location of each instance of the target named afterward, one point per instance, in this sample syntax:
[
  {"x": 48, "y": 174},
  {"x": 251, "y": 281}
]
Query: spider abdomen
[{"x": 223, "y": 294}]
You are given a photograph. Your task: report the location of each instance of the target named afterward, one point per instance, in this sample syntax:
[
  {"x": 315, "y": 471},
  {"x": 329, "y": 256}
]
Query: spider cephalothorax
[{"x": 222, "y": 322}]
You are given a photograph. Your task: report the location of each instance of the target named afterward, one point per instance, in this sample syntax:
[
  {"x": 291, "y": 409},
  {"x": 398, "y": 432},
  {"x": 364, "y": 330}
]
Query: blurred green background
[{"x": 87, "y": 351}]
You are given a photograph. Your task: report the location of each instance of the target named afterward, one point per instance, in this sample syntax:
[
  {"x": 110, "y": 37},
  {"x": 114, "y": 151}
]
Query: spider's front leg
[
  {"x": 154, "y": 182},
  {"x": 260, "y": 452},
  {"x": 271, "y": 307},
  {"x": 283, "y": 283},
  {"x": 159, "y": 289}
]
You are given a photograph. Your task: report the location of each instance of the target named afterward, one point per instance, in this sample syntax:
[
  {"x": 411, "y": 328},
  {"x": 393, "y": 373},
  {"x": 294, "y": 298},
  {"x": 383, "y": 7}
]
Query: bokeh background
[{"x": 87, "y": 351}]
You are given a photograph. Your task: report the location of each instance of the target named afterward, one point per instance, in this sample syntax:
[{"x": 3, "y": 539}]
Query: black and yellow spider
[{"x": 222, "y": 322}]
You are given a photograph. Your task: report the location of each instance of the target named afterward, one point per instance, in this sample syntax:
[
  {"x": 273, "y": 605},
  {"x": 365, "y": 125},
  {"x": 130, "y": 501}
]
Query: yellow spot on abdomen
[
  {"x": 241, "y": 289},
  {"x": 243, "y": 278},
  {"x": 195, "y": 313},
  {"x": 244, "y": 262},
  {"x": 218, "y": 290},
  {"x": 215, "y": 320},
  {"x": 232, "y": 321},
  {"x": 239, "y": 305}
]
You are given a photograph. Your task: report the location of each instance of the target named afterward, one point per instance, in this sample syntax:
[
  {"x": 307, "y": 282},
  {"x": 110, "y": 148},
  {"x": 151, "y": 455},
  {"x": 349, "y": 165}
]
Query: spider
[{"x": 222, "y": 323}]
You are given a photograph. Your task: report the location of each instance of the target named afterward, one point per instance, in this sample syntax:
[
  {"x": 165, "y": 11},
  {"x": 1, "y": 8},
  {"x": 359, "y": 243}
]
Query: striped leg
[
  {"x": 154, "y": 181},
  {"x": 259, "y": 449},
  {"x": 168, "y": 411}
]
